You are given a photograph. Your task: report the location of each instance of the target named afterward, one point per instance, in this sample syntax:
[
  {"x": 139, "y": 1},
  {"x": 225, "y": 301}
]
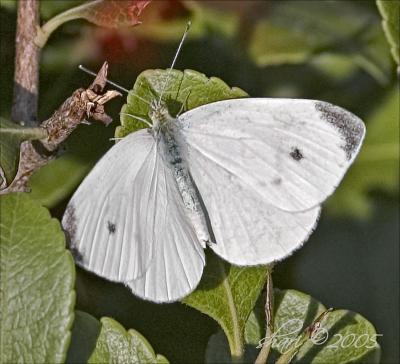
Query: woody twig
[
  {"x": 27, "y": 56},
  {"x": 80, "y": 106}
]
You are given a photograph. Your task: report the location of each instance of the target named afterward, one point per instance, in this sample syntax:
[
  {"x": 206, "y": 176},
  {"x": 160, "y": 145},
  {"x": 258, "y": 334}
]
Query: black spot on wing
[
  {"x": 277, "y": 181},
  {"x": 296, "y": 154},
  {"x": 111, "y": 227},
  {"x": 350, "y": 127}
]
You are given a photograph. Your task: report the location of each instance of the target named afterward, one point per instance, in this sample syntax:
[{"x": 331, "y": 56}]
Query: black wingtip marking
[
  {"x": 77, "y": 255},
  {"x": 69, "y": 227},
  {"x": 350, "y": 127},
  {"x": 296, "y": 154},
  {"x": 69, "y": 224},
  {"x": 111, "y": 227}
]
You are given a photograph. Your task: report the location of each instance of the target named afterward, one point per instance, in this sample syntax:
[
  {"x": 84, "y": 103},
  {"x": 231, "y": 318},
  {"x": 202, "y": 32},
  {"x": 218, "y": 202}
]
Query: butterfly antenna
[
  {"x": 185, "y": 33},
  {"x": 84, "y": 69},
  {"x": 137, "y": 118}
]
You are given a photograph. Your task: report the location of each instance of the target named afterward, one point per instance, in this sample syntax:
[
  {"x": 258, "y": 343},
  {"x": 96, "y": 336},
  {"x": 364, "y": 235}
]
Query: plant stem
[
  {"x": 49, "y": 27},
  {"x": 269, "y": 318},
  {"x": 27, "y": 54},
  {"x": 82, "y": 104},
  {"x": 265, "y": 349},
  {"x": 236, "y": 346}
]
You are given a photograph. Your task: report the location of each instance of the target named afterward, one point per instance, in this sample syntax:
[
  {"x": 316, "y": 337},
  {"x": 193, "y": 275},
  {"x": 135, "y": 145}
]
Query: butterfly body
[{"x": 170, "y": 145}]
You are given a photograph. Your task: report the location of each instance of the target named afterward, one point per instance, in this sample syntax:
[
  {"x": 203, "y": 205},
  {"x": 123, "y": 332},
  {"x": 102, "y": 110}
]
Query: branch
[
  {"x": 80, "y": 105},
  {"x": 27, "y": 54},
  {"x": 269, "y": 319}
]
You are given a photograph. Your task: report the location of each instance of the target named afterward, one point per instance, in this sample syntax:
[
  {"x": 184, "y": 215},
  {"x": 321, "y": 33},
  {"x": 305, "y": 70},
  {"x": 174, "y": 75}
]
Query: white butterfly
[{"x": 245, "y": 177}]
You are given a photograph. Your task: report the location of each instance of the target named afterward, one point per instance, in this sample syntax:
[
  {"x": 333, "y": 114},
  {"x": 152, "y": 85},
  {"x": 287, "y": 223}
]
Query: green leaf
[
  {"x": 297, "y": 31},
  {"x": 116, "y": 345},
  {"x": 390, "y": 11},
  {"x": 310, "y": 333},
  {"x": 255, "y": 325},
  {"x": 293, "y": 312},
  {"x": 217, "y": 350},
  {"x": 377, "y": 166},
  {"x": 37, "y": 280},
  {"x": 108, "y": 342},
  {"x": 297, "y": 310},
  {"x": 189, "y": 88},
  {"x": 84, "y": 336},
  {"x": 177, "y": 331},
  {"x": 350, "y": 338},
  {"x": 228, "y": 294},
  {"x": 11, "y": 137},
  {"x": 344, "y": 336}
]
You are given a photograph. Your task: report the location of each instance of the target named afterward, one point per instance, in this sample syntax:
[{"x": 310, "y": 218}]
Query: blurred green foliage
[
  {"x": 334, "y": 51},
  {"x": 390, "y": 11},
  {"x": 321, "y": 27},
  {"x": 377, "y": 165}
]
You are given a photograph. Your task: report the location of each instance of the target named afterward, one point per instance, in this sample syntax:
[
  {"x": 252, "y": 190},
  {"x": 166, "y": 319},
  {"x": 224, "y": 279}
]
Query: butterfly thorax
[{"x": 160, "y": 117}]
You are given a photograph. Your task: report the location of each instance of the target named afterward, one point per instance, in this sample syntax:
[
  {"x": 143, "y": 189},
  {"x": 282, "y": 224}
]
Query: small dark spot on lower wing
[
  {"x": 296, "y": 154},
  {"x": 277, "y": 181},
  {"x": 111, "y": 227}
]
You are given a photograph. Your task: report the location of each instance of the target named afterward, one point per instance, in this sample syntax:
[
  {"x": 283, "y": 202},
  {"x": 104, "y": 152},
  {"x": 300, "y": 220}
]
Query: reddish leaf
[{"x": 114, "y": 13}]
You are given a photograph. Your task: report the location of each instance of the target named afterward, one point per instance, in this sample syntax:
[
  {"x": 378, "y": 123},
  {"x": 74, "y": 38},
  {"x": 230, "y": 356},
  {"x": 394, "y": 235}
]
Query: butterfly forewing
[
  {"x": 126, "y": 221},
  {"x": 291, "y": 152},
  {"x": 104, "y": 219}
]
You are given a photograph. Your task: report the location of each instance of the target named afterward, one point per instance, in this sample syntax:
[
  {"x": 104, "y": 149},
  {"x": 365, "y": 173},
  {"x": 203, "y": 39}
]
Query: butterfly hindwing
[
  {"x": 247, "y": 229},
  {"x": 263, "y": 167},
  {"x": 178, "y": 259}
]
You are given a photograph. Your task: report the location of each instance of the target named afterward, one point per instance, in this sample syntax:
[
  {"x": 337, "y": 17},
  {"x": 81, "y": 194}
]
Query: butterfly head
[{"x": 159, "y": 114}]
